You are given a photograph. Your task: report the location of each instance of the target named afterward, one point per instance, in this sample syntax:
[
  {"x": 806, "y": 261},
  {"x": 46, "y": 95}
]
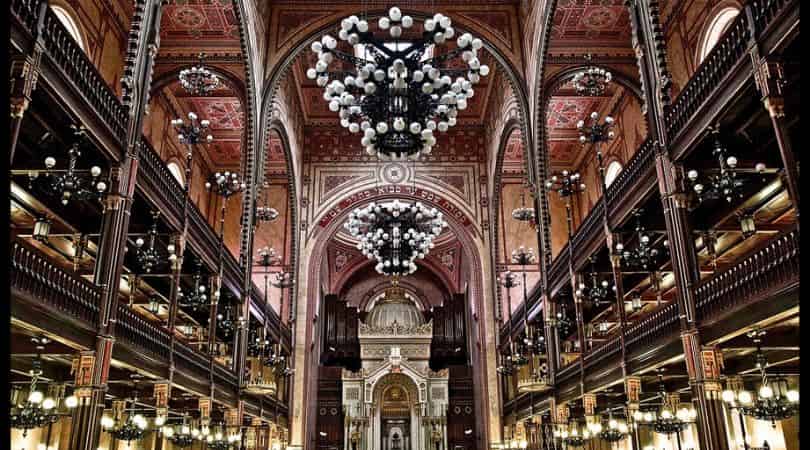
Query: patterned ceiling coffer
[
  {"x": 333, "y": 144},
  {"x": 224, "y": 113},
  {"x": 207, "y": 20},
  {"x": 591, "y": 22},
  {"x": 565, "y": 112},
  {"x": 563, "y": 152}
]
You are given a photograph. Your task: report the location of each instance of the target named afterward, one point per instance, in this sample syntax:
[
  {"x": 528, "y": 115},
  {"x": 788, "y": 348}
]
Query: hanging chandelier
[
  {"x": 198, "y": 80},
  {"x": 225, "y": 184},
  {"x": 671, "y": 418},
  {"x": 573, "y": 435},
  {"x": 225, "y": 323},
  {"x": 181, "y": 435},
  {"x": 400, "y": 92},
  {"x": 71, "y": 183},
  {"x": 222, "y": 439},
  {"x": 723, "y": 182},
  {"x": 612, "y": 431},
  {"x": 196, "y": 299},
  {"x": 773, "y": 401},
  {"x": 644, "y": 255},
  {"x": 513, "y": 357},
  {"x": 261, "y": 378},
  {"x": 395, "y": 234},
  {"x": 591, "y": 81},
  {"x": 599, "y": 291},
  {"x": 523, "y": 213},
  {"x": 131, "y": 429},
  {"x": 38, "y": 410},
  {"x": 563, "y": 322},
  {"x": 149, "y": 258}
]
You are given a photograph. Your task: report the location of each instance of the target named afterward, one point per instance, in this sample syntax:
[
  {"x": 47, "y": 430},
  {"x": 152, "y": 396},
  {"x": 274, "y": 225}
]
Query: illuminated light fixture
[
  {"x": 198, "y": 80},
  {"x": 598, "y": 292},
  {"x": 395, "y": 96},
  {"x": 225, "y": 184},
  {"x": 513, "y": 358},
  {"x": 644, "y": 255},
  {"x": 225, "y": 323},
  {"x": 591, "y": 81},
  {"x": 42, "y": 228},
  {"x": 131, "y": 429},
  {"x": 532, "y": 376},
  {"x": 38, "y": 410},
  {"x": 773, "y": 401},
  {"x": 614, "y": 431},
  {"x": 193, "y": 131},
  {"x": 197, "y": 298},
  {"x": 636, "y": 302},
  {"x": 222, "y": 440},
  {"x": 395, "y": 234},
  {"x": 723, "y": 182},
  {"x": 523, "y": 213},
  {"x": 71, "y": 183},
  {"x": 670, "y": 419},
  {"x": 147, "y": 256},
  {"x": 748, "y": 225},
  {"x": 180, "y": 435},
  {"x": 573, "y": 435}
]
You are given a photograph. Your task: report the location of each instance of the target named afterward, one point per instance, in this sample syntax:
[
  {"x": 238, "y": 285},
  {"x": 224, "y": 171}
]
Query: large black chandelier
[
  {"x": 573, "y": 435},
  {"x": 644, "y": 255},
  {"x": 599, "y": 291},
  {"x": 38, "y": 410},
  {"x": 71, "y": 183},
  {"x": 147, "y": 256},
  {"x": 400, "y": 92},
  {"x": 133, "y": 428},
  {"x": 591, "y": 81},
  {"x": 724, "y": 182},
  {"x": 198, "y": 80},
  {"x": 222, "y": 439},
  {"x": 197, "y": 298},
  {"x": 773, "y": 401},
  {"x": 194, "y": 131},
  {"x": 225, "y": 184},
  {"x": 671, "y": 418},
  {"x": 180, "y": 435},
  {"x": 395, "y": 234},
  {"x": 612, "y": 430}
]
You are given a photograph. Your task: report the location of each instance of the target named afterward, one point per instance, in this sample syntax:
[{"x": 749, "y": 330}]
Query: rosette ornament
[
  {"x": 395, "y": 234},
  {"x": 400, "y": 91}
]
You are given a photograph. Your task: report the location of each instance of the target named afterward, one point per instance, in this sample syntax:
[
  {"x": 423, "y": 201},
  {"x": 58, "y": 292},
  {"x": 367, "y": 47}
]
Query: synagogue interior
[{"x": 413, "y": 225}]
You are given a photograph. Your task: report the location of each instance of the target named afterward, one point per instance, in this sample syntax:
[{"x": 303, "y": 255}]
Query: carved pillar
[
  {"x": 24, "y": 74},
  {"x": 632, "y": 388},
  {"x": 141, "y": 51},
  {"x": 649, "y": 43},
  {"x": 179, "y": 243},
  {"x": 769, "y": 77}
]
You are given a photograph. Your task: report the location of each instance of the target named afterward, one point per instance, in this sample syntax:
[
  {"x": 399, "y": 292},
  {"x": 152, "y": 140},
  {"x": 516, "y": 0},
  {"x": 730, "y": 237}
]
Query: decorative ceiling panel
[
  {"x": 200, "y": 23},
  {"x": 225, "y": 113},
  {"x": 565, "y": 112},
  {"x": 591, "y": 23}
]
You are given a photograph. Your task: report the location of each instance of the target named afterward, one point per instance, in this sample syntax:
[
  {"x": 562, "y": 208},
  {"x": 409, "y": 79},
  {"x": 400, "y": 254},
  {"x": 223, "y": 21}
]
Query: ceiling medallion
[
  {"x": 400, "y": 92},
  {"x": 395, "y": 234},
  {"x": 198, "y": 80},
  {"x": 591, "y": 81}
]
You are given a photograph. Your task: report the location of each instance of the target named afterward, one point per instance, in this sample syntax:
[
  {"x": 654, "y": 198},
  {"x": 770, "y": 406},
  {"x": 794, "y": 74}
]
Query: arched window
[
  {"x": 177, "y": 172},
  {"x": 717, "y": 26},
  {"x": 613, "y": 170},
  {"x": 70, "y": 24}
]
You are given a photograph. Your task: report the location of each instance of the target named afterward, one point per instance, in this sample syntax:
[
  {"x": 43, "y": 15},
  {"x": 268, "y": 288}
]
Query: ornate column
[
  {"x": 770, "y": 78},
  {"x": 24, "y": 74},
  {"x": 649, "y": 43},
  {"x": 141, "y": 51},
  {"x": 632, "y": 388}
]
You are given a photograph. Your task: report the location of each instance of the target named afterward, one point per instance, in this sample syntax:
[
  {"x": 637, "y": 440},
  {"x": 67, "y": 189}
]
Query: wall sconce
[
  {"x": 747, "y": 224},
  {"x": 636, "y": 302},
  {"x": 42, "y": 228}
]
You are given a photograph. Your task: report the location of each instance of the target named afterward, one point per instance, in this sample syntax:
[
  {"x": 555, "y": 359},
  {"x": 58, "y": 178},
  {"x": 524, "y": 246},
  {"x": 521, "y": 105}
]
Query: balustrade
[
  {"x": 772, "y": 267},
  {"x": 33, "y": 273}
]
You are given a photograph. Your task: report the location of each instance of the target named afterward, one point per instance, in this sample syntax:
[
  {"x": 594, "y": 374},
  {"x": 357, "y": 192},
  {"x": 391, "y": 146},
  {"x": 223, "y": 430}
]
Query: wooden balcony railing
[
  {"x": 66, "y": 54},
  {"x": 762, "y": 272},
  {"x": 154, "y": 178},
  {"x": 27, "y": 13},
  {"x": 642, "y": 162},
  {"x": 135, "y": 330},
  {"x": 33, "y": 273}
]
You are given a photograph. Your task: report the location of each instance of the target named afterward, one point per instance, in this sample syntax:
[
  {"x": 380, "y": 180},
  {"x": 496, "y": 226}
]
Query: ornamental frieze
[{"x": 396, "y": 329}]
